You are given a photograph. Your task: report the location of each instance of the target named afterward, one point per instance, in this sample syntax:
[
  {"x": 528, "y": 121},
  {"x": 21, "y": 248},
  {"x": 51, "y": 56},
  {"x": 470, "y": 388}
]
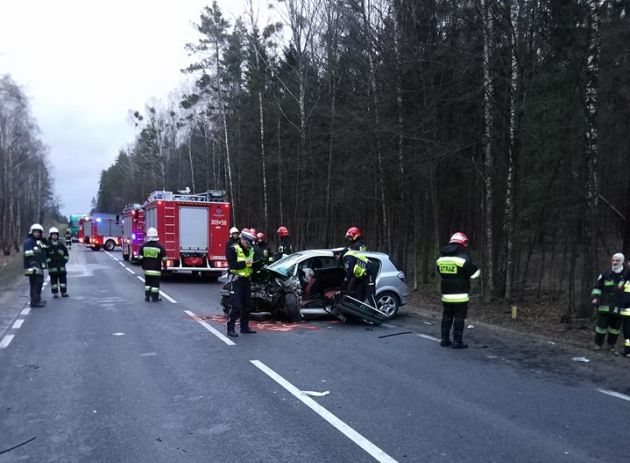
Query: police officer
[
  {"x": 34, "y": 256},
  {"x": 265, "y": 252},
  {"x": 152, "y": 255},
  {"x": 456, "y": 270},
  {"x": 240, "y": 257},
  {"x": 608, "y": 298},
  {"x": 353, "y": 235},
  {"x": 56, "y": 259},
  {"x": 68, "y": 237},
  {"x": 284, "y": 248}
]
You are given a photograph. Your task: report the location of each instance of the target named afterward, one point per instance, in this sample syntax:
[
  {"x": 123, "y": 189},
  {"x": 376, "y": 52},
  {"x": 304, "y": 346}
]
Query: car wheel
[
  {"x": 292, "y": 309},
  {"x": 110, "y": 245},
  {"x": 387, "y": 302}
]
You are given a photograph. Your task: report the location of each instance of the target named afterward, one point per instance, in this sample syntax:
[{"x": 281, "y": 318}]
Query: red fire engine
[
  {"x": 193, "y": 228},
  {"x": 101, "y": 231},
  {"x": 133, "y": 231}
]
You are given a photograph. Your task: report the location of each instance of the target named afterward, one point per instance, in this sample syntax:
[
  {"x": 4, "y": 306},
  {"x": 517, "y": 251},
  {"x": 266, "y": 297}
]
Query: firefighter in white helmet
[
  {"x": 34, "y": 256},
  {"x": 56, "y": 259},
  {"x": 152, "y": 255}
]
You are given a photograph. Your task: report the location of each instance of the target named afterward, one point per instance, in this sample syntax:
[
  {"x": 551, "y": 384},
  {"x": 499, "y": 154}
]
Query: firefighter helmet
[
  {"x": 34, "y": 227},
  {"x": 261, "y": 236},
  {"x": 53, "y": 230},
  {"x": 233, "y": 230},
  {"x": 152, "y": 234},
  {"x": 459, "y": 238},
  {"x": 353, "y": 233},
  {"x": 283, "y": 231}
]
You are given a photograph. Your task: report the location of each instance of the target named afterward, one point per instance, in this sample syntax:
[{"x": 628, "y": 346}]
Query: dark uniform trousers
[
  {"x": 36, "y": 282},
  {"x": 454, "y": 315},
  {"x": 58, "y": 280},
  {"x": 152, "y": 286},
  {"x": 240, "y": 303}
]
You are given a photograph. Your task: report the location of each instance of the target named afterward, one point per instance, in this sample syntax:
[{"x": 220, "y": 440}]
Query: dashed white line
[
  {"x": 614, "y": 394},
  {"x": 140, "y": 278},
  {"x": 223, "y": 338},
  {"x": 18, "y": 324},
  {"x": 6, "y": 341},
  {"x": 130, "y": 271},
  {"x": 426, "y": 336},
  {"x": 167, "y": 297},
  {"x": 375, "y": 452},
  {"x": 26, "y": 311}
]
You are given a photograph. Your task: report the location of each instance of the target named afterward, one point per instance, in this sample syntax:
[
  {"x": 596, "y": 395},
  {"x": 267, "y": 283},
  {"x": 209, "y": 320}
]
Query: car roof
[{"x": 330, "y": 253}]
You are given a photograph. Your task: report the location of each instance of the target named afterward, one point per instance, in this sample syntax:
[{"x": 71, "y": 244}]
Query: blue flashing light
[
  {"x": 133, "y": 236},
  {"x": 98, "y": 220}
]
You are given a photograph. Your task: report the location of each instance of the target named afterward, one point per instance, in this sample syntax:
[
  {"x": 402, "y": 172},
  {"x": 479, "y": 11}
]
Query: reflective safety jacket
[
  {"x": 456, "y": 270},
  {"x": 56, "y": 257},
  {"x": 153, "y": 256},
  {"x": 34, "y": 256},
  {"x": 356, "y": 264},
  {"x": 359, "y": 245},
  {"x": 237, "y": 260},
  {"x": 266, "y": 254},
  {"x": 625, "y": 311},
  {"x": 608, "y": 293},
  {"x": 285, "y": 248}
]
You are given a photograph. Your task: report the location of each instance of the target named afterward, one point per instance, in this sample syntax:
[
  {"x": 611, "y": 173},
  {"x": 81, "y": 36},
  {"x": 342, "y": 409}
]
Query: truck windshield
[{"x": 286, "y": 265}]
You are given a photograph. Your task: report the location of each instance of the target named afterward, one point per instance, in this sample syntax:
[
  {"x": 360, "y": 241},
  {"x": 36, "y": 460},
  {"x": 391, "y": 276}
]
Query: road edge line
[
  {"x": 212, "y": 330},
  {"x": 375, "y": 452}
]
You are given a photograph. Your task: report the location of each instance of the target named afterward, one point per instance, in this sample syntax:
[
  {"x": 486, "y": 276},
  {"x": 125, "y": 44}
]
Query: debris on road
[
  {"x": 315, "y": 394},
  {"x": 18, "y": 445},
  {"x": 395, "y": 334},
  {"x": 470, "y": 326},
  {"x": 580, "y": 359},
  {"x": 428, "y": 323}
]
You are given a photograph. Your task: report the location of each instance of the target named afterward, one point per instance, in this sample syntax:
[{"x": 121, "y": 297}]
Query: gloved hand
[{"x": 249, "y": 262}]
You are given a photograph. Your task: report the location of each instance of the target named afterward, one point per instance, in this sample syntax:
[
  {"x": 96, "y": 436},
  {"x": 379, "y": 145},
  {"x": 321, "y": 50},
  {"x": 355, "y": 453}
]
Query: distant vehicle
[
  {"x": 74, "y": 225},
  {"x": 308, "y": 282},
  {"x": 133, "y": 231},
  {"x": 193, "y": 228},
  {"x": 101, "y": 230}
]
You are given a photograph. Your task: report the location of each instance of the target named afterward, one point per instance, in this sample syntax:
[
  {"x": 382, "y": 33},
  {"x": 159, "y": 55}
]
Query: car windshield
[{"x": 285, "y": 266}]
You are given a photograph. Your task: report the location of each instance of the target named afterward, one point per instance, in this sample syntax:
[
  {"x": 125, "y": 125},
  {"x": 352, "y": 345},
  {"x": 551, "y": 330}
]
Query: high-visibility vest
[
  {"x": 360, "y": 267},
  {"x": 241, "y": 257}
]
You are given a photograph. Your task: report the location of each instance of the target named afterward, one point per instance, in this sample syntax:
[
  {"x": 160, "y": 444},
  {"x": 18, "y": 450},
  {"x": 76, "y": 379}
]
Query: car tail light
[{"x": 401, "y": 276}]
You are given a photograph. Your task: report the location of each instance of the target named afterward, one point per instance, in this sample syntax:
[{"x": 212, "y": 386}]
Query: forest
[
  {"x": 411, "y": 119},
  {"x": 26, "y": 183}
]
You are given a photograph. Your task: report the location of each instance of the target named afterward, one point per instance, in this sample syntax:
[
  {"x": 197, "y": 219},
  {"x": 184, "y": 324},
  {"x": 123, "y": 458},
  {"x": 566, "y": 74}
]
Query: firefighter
[
  {"x": 233, "y": 239},
  {"x": 608, "y": 299},
  {"x": 240, "y": 257},
  {"x": 266, "y": 253},
  {"x": 68, "y": 238},
  {"x": 56, "y": 259},
  {"x": 359, "y": 281},
  {"x": 152, "y": 255},
  {"x": 456, "y": 270},
  {"x": 353, "y": 235},
  {"x": 34, "y": 257},
  {"x": 285, "y": 248}
]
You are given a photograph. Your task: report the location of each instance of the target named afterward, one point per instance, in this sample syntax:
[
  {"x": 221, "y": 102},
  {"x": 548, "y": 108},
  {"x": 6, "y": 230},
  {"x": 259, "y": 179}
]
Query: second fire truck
[{"x": 133, "y": 231}]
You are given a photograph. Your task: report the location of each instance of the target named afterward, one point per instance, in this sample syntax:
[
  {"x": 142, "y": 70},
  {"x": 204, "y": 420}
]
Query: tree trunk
[{"x": 488, "y": 92}]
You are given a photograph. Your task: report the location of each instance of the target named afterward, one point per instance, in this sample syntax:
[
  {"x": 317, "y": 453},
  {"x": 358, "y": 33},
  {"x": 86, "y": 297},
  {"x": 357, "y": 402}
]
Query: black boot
[
  {"x": 446, "y": 342},
  {"x": 247, "y": 330},
  {"x": 459, "y": 345},
  {"x": 147, "y": 297},
  {"x": 232, "y": 333},
  {"x": 64, "y": 295}
]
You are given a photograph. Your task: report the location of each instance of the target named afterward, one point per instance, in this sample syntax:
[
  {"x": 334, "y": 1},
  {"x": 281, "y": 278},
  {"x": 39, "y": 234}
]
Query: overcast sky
[{"x": 85, "y": 64}]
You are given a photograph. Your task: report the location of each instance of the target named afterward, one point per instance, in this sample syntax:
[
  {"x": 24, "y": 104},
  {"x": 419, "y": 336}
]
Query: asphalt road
[{"x": 103, "y": 376}]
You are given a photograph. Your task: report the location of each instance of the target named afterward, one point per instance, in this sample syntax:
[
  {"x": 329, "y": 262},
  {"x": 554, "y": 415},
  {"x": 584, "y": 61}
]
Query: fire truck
[
  {"x": 193, "y": 228},
  {"x": 133, "y": 231},
  {"x": 101, "y": 230}
]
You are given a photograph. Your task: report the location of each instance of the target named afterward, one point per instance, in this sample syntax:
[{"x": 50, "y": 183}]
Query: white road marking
[
  {"x": 162, "y": 293},
  {"x": 426, "y": 336},
  {"x": 18, "y": 324},
  {"x": 6, "y": 341},
  {"x": 148, "y": 354},
  {"x": 223, "y": 338},
  {"x": 389, "y": 326},
  {"x": 25, "y": 311},
  {"x": 375, "y": 452},
  {"x": 118, "y": 334},
  {"x": 614, "y": 394},
  {"x": 130, "y": 271},
  {"x": 121, "y": 264}
]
